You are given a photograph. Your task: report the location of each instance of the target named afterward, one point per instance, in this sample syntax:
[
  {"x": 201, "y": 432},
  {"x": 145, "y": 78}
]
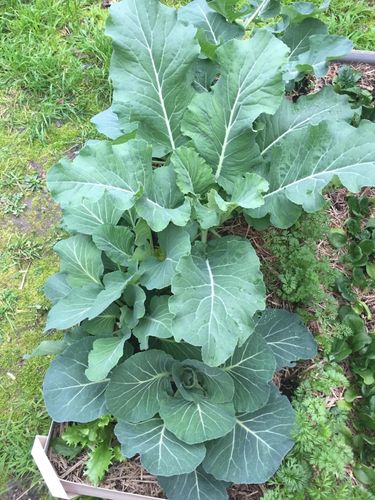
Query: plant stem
[{"x": 204, "y": 234}]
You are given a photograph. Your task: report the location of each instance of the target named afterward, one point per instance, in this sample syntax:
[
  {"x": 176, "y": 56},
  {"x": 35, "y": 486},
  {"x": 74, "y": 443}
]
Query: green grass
[{"x": 54, "y": 60}]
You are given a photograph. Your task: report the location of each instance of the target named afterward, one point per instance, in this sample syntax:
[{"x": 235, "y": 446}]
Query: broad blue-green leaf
[
  {"x": 114, "y": 284},
  {"x": 116, "y": 241},
  {"x": 227, "y": 8},
  {"x": 157, "y": 323},
  {"x": 105, "y": 355},
  {"x": 80, "y": 259},
  {"x": 204, "y": 75},
  {"x": 220, "y": 123},
  {"x": 298, "y": 11},
  {"x": 158, "y": 270},
  {"x": 151, "y": 70},
  {"x": 207, "y": 216},
  {"x": 134, "y": 309},
  {"x": 216, "y": 291},
  {"x": 108, "y": 123},
  {"x": 179, "y": 350},
  {"x": 73, "y": 308},
  {"x": 254, "y": 450},
  {"x": 161, "y": 452},
  {"x": 197, "y": 484},
  {"x": 216, "y": 29},
  {"x": 298, "y": 174},
  {"x": 251, "y": 367},
  {"x": 122, "y": 170},
  {"x": 57, "y": 287},
  {"x": 312, "y": 47},
  {"x": 193, "y": 175},
  {"x": 47, "y": 348},
  {"x": 286, "y": 335},
  {"x": 197, "y": 421},
  {"x": 138, "y": 384},
  {"x": 163, "y": 202},
  {"x": 88, "y": 215},
  {"x": 104, "y": 323},
  {"x": 68, "y": 394},
  {"x": 308, "y": 110}
]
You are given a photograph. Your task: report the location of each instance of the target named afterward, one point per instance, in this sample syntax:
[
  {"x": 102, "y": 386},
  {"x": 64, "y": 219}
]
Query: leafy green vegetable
[{"x": 169, "y": 337}]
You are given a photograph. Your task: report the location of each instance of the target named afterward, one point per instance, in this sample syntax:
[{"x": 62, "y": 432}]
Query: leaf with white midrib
[
  {"x": 253, "y": 451},
  {"x": 161, "y": 452}
]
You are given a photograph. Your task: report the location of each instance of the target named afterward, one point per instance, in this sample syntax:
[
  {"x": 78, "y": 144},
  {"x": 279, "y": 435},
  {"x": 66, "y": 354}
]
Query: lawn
[{"x": 54, "y": 62}]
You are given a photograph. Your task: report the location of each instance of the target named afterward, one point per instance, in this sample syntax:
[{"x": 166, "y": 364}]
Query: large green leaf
[
  {"x": 88, "y": 215},
  {"x": 163, "y": 202},
  {"x": 298, "y": 174},
  {"x": 308, "y": 110},
  {"x": 216, "y": 291},
  {"x": 178, "y": 350},
  {"x": 108, "y": 124},
  {"x": 197, "y": 484},
  {"x": 105, "y": 355},
  {"x": 253, "y": 451},
  {"x": 68, "y": 394},
  {"x": 73, "y": 308},
  {"x": 158, "y": 271},
  {"x": 197, "y": 421},
  {"x": 57, "y": 287},
  {"x": 216, "y": 29},
  {"x": 205, "y": 75},
  {"x": 220, "y": 123},
  {"x": 116, "y": 241},
  {"x": 251, "y": 367},
  {"x": 138, "y": 384},
  {"x": 80, "y": 259},
  {"x": 104, "y": 323},
  {"x": 114, "y": 284},
  {"x": 227, "y": 8},
  {"x": 121, "y": 170},
  {"x": 161, "y": 452},
  {"x": 298, "y": 11},
  {"x": 151, "y": 69},
  {"x": 286, "y": 335},
  {"x": 157, "y": 323},
  {"x": 134, "y": 308},
  {"x": 193, "y": 175}
]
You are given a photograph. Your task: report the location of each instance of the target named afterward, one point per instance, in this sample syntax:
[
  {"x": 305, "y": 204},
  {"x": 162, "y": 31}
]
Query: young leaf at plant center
[
  {"x": 253, "y": 451},
  {"x": 193, "y": 174},
  {"x": 138, "y": 385},
  {"x": 163, "y": 202},
  {"x": 159, "y": 269},
  {"x": 161, "y": 452},
  {"x": 206, "y": 73},
  {"x": 197, "y": 484},
  {"x": 134, "y": 308},
  {"x": 197, "y": 421},
  {"x": 73, "y": 308},
  {"x": 298, "y": 11},
  {"x": 215, "y": 28},
  {"x": 227, "y": 8},
  {"x": 291, "y": 116},
  {"x": 80, "y": 259},
  {"x": 122, "y": 170},
  {"x": 116, "y": 241},
  {"x": 251, "y": 367},
  {"x": 178, "y": 350},
  {"x": 216, "y": 291},
  {"x": 298, "y": 175},
  {"x": 105, "y": 355},
  {"x": 57, "y": 287},
  {"x": 88, "y": 215},
  {"x": 157, "y": 323},
  {"x": 287, "y": 336},
  {"x": 152, "y": 81},
  {"x": 65, "y": 382},
  {"x": 220, "y": 123}
]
